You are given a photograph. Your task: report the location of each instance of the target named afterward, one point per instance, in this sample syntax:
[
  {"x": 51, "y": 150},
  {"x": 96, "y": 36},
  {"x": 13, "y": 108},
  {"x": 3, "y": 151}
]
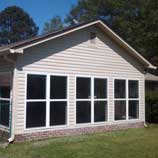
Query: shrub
[{"x": 152, "y": 107}]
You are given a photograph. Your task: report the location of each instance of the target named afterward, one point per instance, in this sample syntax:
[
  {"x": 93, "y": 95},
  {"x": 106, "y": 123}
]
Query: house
[
  {"x": 82, "y": 79},
  {"x": 151, "y": 97},
  {"x": 151, "y": 82}
]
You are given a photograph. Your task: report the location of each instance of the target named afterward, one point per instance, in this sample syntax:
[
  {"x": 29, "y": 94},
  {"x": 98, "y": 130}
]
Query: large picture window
[
  {"x": 5, "y": 87},
  {"x": 46, "y": 96},
  {"x": 133, "y": 99},
  {"x": 120, "y": 99},
  {"x": 83, "y": 105},
  {"x": 126, "y": 99},
  {"x": 100, "y": 99},
  {"x": 58, "y": 104},
  {"x": 36, "y": 114},
  {"x": 36, "y": 101},
  {"x": 91, "y": 100}
]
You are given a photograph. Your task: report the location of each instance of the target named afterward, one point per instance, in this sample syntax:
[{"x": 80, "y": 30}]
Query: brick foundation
[{"x": 75, "y": 131}]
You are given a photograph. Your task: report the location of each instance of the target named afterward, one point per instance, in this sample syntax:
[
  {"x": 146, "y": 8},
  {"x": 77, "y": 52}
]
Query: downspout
[
  {"x": 11, "y": 132},
  {"x": 145, "y": 125}
]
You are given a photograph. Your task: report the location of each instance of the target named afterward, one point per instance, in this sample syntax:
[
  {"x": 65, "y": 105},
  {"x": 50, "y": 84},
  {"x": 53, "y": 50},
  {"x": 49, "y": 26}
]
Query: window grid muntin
[
  {"x": 134, "y": 99},
  {"x": 127, "y": 99},
  {"x": 47, "y": 99},
  {"x": 92, "y": 99}
]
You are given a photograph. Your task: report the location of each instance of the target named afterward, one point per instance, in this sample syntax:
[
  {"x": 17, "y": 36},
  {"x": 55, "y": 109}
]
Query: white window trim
[
  {"x": 47, "y": 100},
  {"x": 92, "y": 100},
  {"x": 3, "y": 127},
  {"x": 126, "y": 98}
]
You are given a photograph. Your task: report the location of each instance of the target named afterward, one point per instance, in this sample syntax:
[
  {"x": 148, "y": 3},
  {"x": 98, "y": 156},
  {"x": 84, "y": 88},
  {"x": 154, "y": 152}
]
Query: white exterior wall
[{"x": 75, "y": 55}]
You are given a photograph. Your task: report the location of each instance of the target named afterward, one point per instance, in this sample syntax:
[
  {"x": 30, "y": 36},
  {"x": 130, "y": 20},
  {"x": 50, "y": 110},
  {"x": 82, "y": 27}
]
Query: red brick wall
[{"x": 75, "y": 131}]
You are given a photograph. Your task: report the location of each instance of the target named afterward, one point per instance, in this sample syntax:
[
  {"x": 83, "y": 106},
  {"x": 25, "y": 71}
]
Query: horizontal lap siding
[
  {"x": 74, "y": 55},
  {"x": 19, "y": 123}
]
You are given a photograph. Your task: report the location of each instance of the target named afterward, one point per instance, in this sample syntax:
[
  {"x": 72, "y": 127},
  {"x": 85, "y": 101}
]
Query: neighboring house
[
  {"x": 82, "y": 79},
  {"x": 151, "y": 83}
]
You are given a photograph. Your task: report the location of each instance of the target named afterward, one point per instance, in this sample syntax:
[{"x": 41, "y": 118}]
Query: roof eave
[
  {"x": 5, "y": 52},
  {"x": 125, "y": 45},
  {"x": 152, "y": 67},
  {"x": 111, "y": 33}
]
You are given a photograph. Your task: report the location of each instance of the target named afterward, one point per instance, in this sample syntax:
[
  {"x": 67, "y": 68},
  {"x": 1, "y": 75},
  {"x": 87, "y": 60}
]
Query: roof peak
[
  {"x": 15, "y": 44},
  {"x": 19, "y": 47}
]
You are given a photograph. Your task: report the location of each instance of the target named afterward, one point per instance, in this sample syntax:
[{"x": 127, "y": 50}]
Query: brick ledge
[{"x": 75, "y": 131}]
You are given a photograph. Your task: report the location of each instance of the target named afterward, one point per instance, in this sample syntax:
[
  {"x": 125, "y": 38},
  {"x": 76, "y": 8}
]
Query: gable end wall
[{"x": 74, "y": 55}]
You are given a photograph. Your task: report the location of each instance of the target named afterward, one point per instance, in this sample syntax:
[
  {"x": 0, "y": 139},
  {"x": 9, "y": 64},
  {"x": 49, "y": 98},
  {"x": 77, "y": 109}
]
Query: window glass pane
[
  {"x": 100, "y": 111},
  {"x": 4, "y": 113},
  {"x": 36, "y": 87},
  {"x": 120, "y": 110},
  {"x": 58, "y": 113},
  {"x": 4, "y": 92},
  {"x": 100, "y": 88},
  {"x": 83, "y": 88},
  {"x": 5, "y": 85},
  {"x": 83, "y": 112},
  {"x": 58, "y": 87},
  {"x": 133, "y": 109},
  {"x": 35, "y": 114},
  {"x": 120, "y": 88},
  {"x": 133, "y": 89}
]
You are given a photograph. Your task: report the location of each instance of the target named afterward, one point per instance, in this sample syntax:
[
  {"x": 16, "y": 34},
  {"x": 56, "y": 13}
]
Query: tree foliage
[
  {"x": 151, "y": 106},
  {"x": 53, "y": 25},
  {"x": 135, "y": 21},
  {"x": 16, "y": 25}
]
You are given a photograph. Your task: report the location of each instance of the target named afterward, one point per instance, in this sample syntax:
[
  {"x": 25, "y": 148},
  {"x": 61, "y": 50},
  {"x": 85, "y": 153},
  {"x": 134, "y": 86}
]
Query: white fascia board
[
  {"x": 16, "y": 50},
  {"x": 129, "y": 47},
  {"x": 62, "y": 34}
]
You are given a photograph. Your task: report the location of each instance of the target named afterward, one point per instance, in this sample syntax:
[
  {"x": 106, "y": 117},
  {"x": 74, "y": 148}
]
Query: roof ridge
[{"x": 38, "y": 37}]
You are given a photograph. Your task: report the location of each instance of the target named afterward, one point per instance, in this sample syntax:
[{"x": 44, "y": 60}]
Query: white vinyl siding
[{"x": 73, "y": 55}]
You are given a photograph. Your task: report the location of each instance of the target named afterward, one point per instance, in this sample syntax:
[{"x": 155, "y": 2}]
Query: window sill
[
  {"x": 46, "y": 128},
  {"x": 124, "y": 121},
  {"x": 4, "y": 128},
  {"x": 91, "y": 124}
]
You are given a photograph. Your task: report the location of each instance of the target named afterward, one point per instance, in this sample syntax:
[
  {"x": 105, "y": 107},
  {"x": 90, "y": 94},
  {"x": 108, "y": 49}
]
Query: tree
[
  {"x": 16, "y": 25},
  {"x": 53, "y": 25},
  {"x": 135, "y": 21}
]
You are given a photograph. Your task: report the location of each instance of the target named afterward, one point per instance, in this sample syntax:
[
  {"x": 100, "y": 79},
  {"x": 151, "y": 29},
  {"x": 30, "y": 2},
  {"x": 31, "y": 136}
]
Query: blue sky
[{"x": 41, "y": 10}]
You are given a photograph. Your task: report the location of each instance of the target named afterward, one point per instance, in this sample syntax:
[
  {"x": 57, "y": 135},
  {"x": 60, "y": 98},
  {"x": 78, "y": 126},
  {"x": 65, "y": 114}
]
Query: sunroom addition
[{"x": 5, "y": 100}]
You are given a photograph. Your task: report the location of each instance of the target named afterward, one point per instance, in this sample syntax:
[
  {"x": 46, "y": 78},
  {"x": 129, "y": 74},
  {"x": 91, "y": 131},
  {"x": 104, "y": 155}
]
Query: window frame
[
  {"x": 92, "y": 99},
  {"x": 127, "y": 99},
  {"x": 59, "y": 100},
  {"x": 134, "y": 99},
  {"x": 47, "y": 100},
  {"x": 3, "y": 127}
]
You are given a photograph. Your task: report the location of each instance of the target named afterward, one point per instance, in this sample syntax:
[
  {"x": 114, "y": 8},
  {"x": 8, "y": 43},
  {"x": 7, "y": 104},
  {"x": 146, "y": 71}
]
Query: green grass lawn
[{"x": 132, "y": 143}]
